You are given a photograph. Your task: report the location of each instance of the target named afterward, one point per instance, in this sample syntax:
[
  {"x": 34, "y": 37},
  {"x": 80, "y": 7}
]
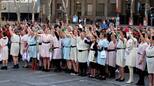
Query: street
[{"x": 27, "y": 77}]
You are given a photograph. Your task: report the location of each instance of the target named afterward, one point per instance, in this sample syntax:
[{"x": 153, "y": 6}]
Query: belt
[
  {"x": 110, "y": 50},
  {"x": 32, "y": 45},
  {"x": 67, "y": 46},
  {"x": 46, "y": 42},
  {"x": 73, "y": 46},
  {"x": 55, "y": 47},
  {"x": 120, "y": 48},
  {"x": 14, "y": 42},
  {"x": 40, "y": 43},
  {"x": 82, "y": 50},
  {"x": 150, "y": 56}
]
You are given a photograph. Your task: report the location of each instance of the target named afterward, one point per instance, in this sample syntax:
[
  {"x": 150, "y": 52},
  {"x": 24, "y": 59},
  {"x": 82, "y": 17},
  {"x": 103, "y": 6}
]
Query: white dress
[
  {"x": 15, "y": 39},
  {"x": 131, "y": 51},
  {"x": 73, "y": 53},
  {"x": 4, "y": 49},
  {"x": 23, "y": 40},
  {"x": 120, "y": 54},
  {"x": 91, "y": 56},
  {"x": 39, "y": 41},
  {"x": 150, "y": 61},
  {"x": 82, "y": 48},
  {"x": 46, "y": 45},
  {"x": 57, "y": 52}
]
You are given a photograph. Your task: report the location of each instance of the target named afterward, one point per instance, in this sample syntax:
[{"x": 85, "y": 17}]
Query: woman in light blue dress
[
  {"x": 32, "y": 48},
  {"x": 101, "y": 58},
  {"x": 66, "y": 42}
]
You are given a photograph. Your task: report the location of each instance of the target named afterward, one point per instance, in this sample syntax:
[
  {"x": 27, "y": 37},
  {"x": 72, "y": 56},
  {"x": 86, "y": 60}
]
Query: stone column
[
  {"x": 94, "y": 7},
  {"x": 72, "y": 7},
  {"x": 106, "y": 8},
  {"x": 83, "y": 4},
  {"x": 53, "y": 9}
]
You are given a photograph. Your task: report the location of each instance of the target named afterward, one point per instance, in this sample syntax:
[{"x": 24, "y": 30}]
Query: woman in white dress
[
  {"x": 39, "y": 42},
  {"x": 82, "y": 48},
  {"x": 131, "y": 54},
  {"x": 46, "y": 45},
  {"x": 23, "y": 47},
  {"x": 120, "y": 55},
  {"x": 57, "y": 51},
  {"x": 150, "y": 61},
  {"x": 93, "y": 56},
  {"x": 73, "y": 53},
  {"x": 111, "y": 56},
  {"x": 4, "y": 51},
  {"x": 15, "y": 40}
]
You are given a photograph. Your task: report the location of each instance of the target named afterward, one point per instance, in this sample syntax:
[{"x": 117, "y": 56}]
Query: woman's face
[
  {"x": 82, "y": 34},
  {"x": 46, "y": 30},
  {"x": 101, "y": 36},
  {"x": 75, "y": 32}
]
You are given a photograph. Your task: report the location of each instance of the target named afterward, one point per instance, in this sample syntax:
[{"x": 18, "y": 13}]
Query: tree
[
  {"x": 17, "y": 6},
  {"x": 65, "y": 9},
  {"x": 33, "y": 10},
  {"x": 49, "y": 17}
]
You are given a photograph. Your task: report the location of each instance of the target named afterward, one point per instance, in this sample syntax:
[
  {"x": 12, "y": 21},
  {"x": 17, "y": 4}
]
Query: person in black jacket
[{"x": 92, "y": 56}]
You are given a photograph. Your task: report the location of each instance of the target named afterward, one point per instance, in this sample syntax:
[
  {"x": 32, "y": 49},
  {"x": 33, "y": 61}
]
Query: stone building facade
[{"x": 93, "y": 9}]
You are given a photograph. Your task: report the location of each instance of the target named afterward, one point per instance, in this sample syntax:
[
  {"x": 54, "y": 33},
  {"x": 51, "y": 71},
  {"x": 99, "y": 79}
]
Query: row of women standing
[{"x": 78, "y": 48}]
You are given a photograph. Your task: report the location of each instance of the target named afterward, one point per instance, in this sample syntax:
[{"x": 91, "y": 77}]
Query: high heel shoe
[{"x": 121, "y": 80}]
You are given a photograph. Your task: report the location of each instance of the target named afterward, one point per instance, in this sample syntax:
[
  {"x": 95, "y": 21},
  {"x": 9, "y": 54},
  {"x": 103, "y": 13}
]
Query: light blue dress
[
  {"x": 102, "y": 43},
  {"x": 66, "y": 42},
  {"x": 32, "y": 49}
]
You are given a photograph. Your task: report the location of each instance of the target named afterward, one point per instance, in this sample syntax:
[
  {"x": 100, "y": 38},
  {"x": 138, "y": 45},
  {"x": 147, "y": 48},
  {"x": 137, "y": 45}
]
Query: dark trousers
[
  {"x": 102, "y": 70},
  {"x": 141, "y": 76},
  {"x": 56, "y": 63},
  {"x": 111, "y": 71},
  {"x": 83, "y": 68}
]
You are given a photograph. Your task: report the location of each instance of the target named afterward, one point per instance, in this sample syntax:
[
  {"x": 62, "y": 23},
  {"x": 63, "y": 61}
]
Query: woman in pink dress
[
  {"x": 46, "y": 45},
  {"x": 111, "y": 56},
  {"x": 140, "y": 60}
]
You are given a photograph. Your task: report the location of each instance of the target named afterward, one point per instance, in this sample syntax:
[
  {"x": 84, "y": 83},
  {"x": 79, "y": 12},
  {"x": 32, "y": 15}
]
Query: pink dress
[
  {"x": 140, "y": 51},
  {"x": 57, "y": 53},
  {"x": 46, "y": 45},
  {"x": 111, "y": 55}
]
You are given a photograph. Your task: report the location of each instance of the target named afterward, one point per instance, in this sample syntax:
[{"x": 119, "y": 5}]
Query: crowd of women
[{"x": 82, "y": 50}]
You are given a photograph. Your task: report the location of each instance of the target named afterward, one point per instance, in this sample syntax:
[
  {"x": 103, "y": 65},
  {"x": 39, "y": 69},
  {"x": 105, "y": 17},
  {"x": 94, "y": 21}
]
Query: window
[
  {"x": 100, "y": 9},
  {"x": 89, "y": 9},
  {"x": 113, "y": 10}
]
